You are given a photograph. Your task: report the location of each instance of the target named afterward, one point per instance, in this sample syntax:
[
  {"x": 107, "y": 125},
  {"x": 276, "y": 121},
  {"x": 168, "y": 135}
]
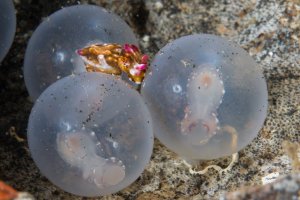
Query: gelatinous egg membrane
[
  {"x": 8, "y": 26},
  {"x": 207, "y": 97},
  {"x": 51, "y": 52},
  {"x": 90, "y": 134}
]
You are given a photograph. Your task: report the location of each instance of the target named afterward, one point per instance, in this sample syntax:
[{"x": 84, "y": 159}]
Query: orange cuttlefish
[{"x": 115, "y": 59}]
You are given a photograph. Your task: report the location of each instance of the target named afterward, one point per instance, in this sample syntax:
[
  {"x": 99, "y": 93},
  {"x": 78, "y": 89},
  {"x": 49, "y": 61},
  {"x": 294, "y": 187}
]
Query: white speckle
[
  {"x": 161, "y": 53},
  {"x": 146, "y": 38},
  {"x": 186, "y": 63},
  {"x": 177, "y": 88},
  {"x": 113, "y": 159},
  {"x": 115, "y": 144},
  {"x": 158, "y": 5},
  {"x": 269, "y": 178},
  {"x": 67, "y": 126},
  {"x": 59, "y": 57},
  {"x": 58, "y": 77}
]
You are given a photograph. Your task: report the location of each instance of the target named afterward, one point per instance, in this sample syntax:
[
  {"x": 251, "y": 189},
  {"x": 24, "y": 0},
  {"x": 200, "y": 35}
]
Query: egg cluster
[{"x": 91, "y": 133}]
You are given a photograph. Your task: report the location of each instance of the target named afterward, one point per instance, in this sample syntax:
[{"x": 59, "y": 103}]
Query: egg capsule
[
  {"x": 90, "y": 134},
  {"x": 207, "y": 97},
  {"x": 8, "y": 26},
  {"x": 51, "y": 53}
]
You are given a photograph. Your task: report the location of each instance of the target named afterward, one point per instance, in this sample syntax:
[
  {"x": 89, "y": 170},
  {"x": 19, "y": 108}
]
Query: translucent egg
[
  {"x": 8, "y": 26},
  {"x": 90, "y": 134},
  {"x": 207, "y": 97},
  {"x": 51, "y": 52}
]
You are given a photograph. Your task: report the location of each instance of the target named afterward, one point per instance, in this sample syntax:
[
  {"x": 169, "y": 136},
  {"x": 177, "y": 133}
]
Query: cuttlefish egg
[
  {"x": 207, "y": 97},
  {"x": 51, "y": 51},
  {"x": 90, "y": 134},
  {"x": 8, "y": 26}
]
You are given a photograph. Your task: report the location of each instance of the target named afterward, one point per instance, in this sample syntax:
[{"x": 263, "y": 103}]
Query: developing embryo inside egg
[
  {"x": 207, "y": 97},
  {"x": 79, "y": 149},
  {"x": 205, "y": 92},
  {"x": 90, "y": 134}
]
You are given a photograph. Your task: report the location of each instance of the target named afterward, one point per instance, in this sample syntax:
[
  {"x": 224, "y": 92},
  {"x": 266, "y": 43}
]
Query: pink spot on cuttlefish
[
  {"x": 130, "y": 48},
  {"x": 140, "y": 67}
]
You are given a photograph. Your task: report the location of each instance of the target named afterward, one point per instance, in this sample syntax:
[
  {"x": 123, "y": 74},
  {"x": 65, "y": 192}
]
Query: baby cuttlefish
[
  {"x": 114, "y": 58},
  {"x": 205, "y": 94},
  {"x": 79, "y": 149}
]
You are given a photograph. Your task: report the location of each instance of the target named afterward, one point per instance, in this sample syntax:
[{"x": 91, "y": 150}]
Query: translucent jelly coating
[
  {"x": 90, "y": 134},
  {"x": 51, "y": 52},
  {"x": 8, "y": 26},
  {"x": 207, "y": 97}
]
